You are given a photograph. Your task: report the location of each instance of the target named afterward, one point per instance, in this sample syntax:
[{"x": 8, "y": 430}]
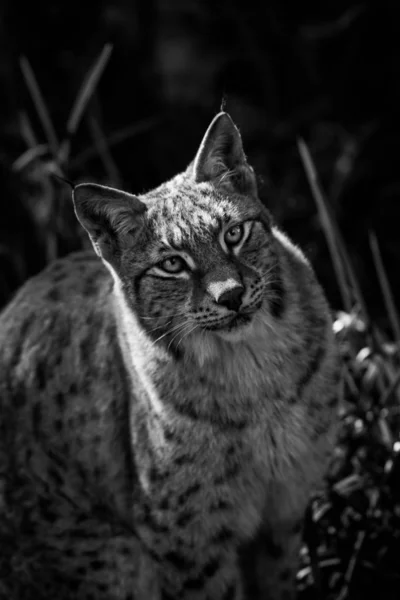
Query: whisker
[
  {"x": 266, "y": 323},
  {"x": 186, "y": 334},
  {"x": 178, "y": 314},
  {"x": 175, "y": 336},
  {"x": 172, "y": 330},
  {"x": 158, "y": 327},
  {"x": 266, "y": 275}
]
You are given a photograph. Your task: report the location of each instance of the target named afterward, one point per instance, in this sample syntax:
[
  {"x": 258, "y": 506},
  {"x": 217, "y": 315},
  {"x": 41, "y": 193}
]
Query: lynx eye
[
  {"x": 234, "y": 235},
  {"x": 173, "y": 264}
]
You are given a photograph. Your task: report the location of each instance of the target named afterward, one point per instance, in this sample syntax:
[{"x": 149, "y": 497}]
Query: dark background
[{"x": 328, "y": 71}]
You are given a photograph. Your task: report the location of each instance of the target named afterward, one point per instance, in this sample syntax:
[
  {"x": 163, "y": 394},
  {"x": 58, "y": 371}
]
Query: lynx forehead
[{"x": 168, "y": 406}]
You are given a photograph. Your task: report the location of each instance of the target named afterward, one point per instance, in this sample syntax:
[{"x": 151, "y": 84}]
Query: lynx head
[{"x": 195, "y": 257}]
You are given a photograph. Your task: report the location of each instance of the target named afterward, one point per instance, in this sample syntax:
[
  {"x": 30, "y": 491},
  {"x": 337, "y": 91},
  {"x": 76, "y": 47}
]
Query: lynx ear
[
  {"x": 109, "y": 216},
  {"x": 221, "y": 159}
]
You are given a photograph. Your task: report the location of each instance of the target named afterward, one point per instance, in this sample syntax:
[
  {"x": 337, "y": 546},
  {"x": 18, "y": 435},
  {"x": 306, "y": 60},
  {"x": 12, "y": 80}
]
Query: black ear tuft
[
  {"x": 108, "y": 215},
  {"x": 64, "y": 180},
  {"x": 221, "y": 159}
]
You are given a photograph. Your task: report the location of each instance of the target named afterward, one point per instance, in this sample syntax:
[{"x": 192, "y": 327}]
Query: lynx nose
[{"x": 232, "y": 299}]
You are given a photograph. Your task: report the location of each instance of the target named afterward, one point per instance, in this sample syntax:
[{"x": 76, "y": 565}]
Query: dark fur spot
[
  {"x": 56, "y": 458},
  {"x": 90, "y": 286},
  {"x": 86, "y": 346},
  {"x": 46, "y": 511},
  {"x": 230, "y": 473},
  {"x": 40, "y": 374},
  {"x": 183, "y": 460},
  {"x": 59, "y": 276},
  {"x": 73, "y": 389},
  {"x": 98, "y": 565},
  {"x": 19, "y": 397},
  {"x": 169, "y": 434},
  {"x": 179, "y": 561},
  {"x": 229, "y": 593},
  {"x": 190, "y": 491},
  {"x": 220, "y": 505},
  {"x": 332, "y": 401},
  {"x": 164, "y": 504},
  {"x": 184, "y": 518},
  {"x": 230, "y": 451},
  {"x": 224, "y": 535},
  {"x": 153, "y": 556},
  {"x": 82, "y": 419},
  {"x": 98, "y": 472},
  {"x": 73, "y": 586},
  {"x": 58, "y": 425},
  {"x": 53, "y": 294},
  {"x": 156, "y": 476},
  {"x": 167, "y": 596},
  {"x": 53, "y": 473},
  {"x": 198, "y": 583},
  {"x": 36, "y": 419},
  {"x": 60, "y": 400},
  {"x": 129, "y": 597}
]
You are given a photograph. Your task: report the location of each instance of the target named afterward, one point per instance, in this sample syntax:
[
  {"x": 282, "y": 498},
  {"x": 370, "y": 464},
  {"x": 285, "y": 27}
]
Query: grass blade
[
  {"x": 27, "y": 133},
  {"x": 29, "y": 156},
  {"x": 385, "y": 286},
  {"x": 326, "y": 223},
  {"x": 40, "y": 104},
  {"x": 87, "y": 89},
  {"x": 100, "y": 143}
]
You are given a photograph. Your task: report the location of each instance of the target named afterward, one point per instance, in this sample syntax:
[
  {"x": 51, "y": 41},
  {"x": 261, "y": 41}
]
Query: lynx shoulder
[{"x": 168, "y": 402}]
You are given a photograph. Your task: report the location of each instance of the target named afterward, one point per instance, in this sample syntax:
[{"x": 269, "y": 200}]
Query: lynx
[{"x": 168, "y": 402}]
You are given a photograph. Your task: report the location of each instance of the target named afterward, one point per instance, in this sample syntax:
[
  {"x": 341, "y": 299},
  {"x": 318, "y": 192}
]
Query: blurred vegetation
[{"x": 122, "y": 92}]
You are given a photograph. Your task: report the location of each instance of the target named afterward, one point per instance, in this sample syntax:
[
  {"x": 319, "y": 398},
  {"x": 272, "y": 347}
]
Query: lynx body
[{"x": 167, "y": 405}]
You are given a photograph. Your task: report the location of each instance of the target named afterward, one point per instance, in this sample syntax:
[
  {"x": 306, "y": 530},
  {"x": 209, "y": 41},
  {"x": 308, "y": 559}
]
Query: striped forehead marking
[{"x": 186, "y": 209}]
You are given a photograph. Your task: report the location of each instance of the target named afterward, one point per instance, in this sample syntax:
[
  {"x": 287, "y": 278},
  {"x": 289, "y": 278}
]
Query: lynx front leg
[
  {"x": 213, "y": 580},
  {"x": 270, "y": 561}
]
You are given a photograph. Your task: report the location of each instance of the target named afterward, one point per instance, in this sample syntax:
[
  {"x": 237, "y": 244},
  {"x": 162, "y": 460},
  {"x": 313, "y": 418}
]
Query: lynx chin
[{"x": 167, "y": 402}]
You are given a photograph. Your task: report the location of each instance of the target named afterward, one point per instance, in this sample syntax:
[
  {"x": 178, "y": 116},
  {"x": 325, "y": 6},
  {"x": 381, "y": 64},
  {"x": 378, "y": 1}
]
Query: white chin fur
[
  {"x": 237, "y": 334},
  {"x": 208, "y": 345}
]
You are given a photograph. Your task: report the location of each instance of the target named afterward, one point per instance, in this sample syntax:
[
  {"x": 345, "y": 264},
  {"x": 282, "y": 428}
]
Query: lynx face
[
  {"x": 195, "y": 257},
  {"x": 206, "y": 265}
]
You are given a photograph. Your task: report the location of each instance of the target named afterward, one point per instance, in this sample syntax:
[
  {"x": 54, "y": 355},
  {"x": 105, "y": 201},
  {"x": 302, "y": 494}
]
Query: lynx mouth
[
  {"x": 234, "y": 322},
  {"x": 237, "y": 321}
]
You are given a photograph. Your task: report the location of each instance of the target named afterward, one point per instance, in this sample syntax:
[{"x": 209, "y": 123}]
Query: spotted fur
[{"x": 168, "y": 406}]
